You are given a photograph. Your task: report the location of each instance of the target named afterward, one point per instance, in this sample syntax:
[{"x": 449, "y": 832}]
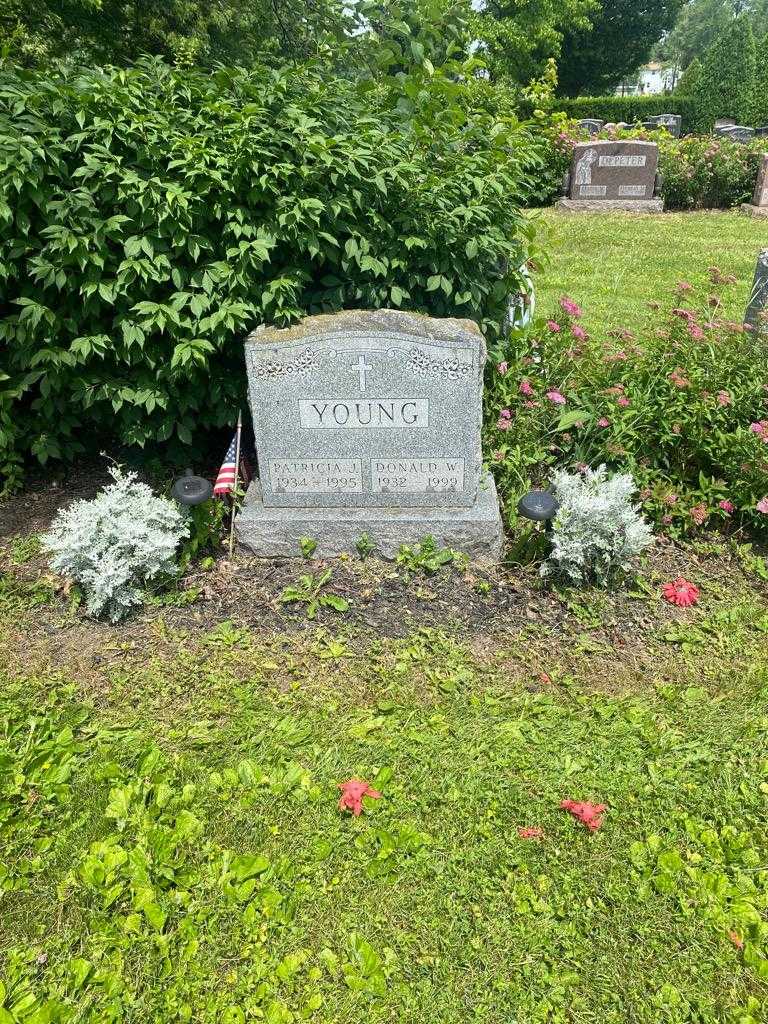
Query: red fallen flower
[
  {"x": 588, "y": 814},
  {"x": 531, "y": 832},
  {"x": 681, "y": 592},
  {"x": 352, "y": 793},
  {"x": 736, "y": 939}
]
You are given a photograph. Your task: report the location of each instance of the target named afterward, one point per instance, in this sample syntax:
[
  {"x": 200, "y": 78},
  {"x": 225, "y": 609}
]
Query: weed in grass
[
  {"x": 24, "y": 549},
  {"x": 309, "y": 591},
  {"x": 426, "y": 557}
]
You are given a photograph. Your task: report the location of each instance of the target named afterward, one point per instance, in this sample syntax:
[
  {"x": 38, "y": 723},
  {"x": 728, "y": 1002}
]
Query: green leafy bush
[
  {"x": 684, "y": 410},
  {"x": 150, "y": 217}
]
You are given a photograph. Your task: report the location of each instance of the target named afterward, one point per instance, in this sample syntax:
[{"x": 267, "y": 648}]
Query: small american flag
[{"x": 225, "y": 481}]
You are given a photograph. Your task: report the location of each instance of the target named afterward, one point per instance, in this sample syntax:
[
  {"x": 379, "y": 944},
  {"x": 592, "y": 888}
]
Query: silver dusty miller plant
[
  {"x": 115, "y": 544},
  {"x": 597, "y": 530}
]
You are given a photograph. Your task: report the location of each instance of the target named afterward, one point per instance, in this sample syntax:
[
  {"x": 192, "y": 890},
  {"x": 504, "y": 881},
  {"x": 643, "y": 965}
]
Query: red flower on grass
[
  {"x": 681, "y": 592},
  {"x": 531, "y": 832},
  {"x": 736, "y": 939},
  {"x": 352, "y": 793},
  {"x": 588, "y": 814}
]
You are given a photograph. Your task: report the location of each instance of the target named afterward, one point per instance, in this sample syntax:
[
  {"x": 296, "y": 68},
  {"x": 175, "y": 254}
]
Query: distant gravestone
[
  {"x": 368, "y": 422},
  {"x": 756, "y": 316},
  {"x": 759, "y": 205},
  {"x": 762, "y": 131},
  {"x": 607, "y": 175},
  {"x": 591, "y": 125},
  {"x": 724, "y": 122},
  {"x": 672, "y": 122},
  {"x": 735, "y": 132}
]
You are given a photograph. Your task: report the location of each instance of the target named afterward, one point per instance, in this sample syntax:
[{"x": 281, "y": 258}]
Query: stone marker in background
[
  {"x": 672, "y": 122},
  {"x": 591, "y": 125},
  {"x": 724, "y": 122},
  {"x": 759, "y": 205},
  {"x": 607, "y": 175},
  {"x": 757, "y": 307},
  {"x": 735, "y": 132},
  {"x": 761, "y": 132},
  {"x": 368, "y": 422}
]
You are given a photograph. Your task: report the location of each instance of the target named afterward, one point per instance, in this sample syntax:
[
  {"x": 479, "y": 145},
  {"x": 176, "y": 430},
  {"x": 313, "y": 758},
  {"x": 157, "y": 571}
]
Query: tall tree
[
  {"x": 185, "y": 31},
  {"x": 699, "y": 25},
  {"x": 726, "y": 87},
  {"x": 760, "y": 98},
  {"x": 518, "y": 37},
  {"x": 622, "y": 36},
  {"x": 701, "y": 22}
]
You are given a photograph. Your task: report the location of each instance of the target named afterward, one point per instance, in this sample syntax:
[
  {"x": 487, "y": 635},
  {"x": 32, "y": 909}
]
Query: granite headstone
[
  {"x": 735, "y": 132},
  {"x": 759, "y": 205},
  {"x": 672, "y": 122},
  {"x": 590, "y": 124},
  {"x": 368, "y": 422},
  {"x": 756, "y": 316},
  {"x": 762, "y": 131},
  {"x": 608, "y": 175}
]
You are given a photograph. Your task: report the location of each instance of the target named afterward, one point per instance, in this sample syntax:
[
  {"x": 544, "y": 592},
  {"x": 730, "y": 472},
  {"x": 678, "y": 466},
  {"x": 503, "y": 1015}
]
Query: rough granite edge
[
  {"x": 607, "y": 205},
  {"x": 754, "y": 211},
  {"x": 420, "y": 325}
]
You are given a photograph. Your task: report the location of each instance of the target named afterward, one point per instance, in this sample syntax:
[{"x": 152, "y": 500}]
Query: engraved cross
[{"x": 362, "y": 366}]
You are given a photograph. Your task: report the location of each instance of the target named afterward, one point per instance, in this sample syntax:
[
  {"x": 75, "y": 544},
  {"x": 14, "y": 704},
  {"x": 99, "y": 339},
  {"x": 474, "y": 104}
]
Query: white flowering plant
[
  {"x": 115, "y": 544},
  {"x": 597, "y": 530}
]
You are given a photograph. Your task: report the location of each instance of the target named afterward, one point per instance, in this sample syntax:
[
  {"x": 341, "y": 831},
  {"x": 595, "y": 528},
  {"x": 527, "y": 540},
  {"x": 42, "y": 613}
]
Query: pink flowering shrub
[
  {"x": 701, "y": 172},
  {"x": 684, "y": 411}
]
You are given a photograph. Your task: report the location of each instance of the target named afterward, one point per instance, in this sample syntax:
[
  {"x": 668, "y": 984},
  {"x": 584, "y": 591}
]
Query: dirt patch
[{"x": 507, "y": 616}]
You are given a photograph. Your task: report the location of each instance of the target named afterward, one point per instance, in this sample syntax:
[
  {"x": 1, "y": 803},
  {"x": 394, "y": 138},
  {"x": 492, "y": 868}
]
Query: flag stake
[{"x": 234, "y": 486}]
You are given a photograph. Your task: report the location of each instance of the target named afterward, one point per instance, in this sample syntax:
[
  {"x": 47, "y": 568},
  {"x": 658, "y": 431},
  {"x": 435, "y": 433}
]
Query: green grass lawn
[
  {"x": 615, "y": 264},
  {"x": 172, "y": 849},
  {"x": 171, "y": 845}
]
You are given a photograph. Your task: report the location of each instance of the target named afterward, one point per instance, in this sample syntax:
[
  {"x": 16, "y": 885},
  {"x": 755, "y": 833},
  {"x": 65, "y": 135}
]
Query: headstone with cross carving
[{"x": 368, "y": 422}]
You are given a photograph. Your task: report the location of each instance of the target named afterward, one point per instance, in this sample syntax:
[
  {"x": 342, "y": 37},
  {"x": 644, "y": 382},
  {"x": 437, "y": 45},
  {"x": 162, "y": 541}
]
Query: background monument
[{"x": 608, "y": 175}]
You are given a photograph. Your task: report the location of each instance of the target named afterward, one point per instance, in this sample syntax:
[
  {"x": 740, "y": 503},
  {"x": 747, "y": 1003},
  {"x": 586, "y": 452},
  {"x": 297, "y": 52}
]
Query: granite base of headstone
[
  {"x": 756, "y": 316},
  {"x": 761, "y": 132},
  {"x": 759, "y": 205},
  {"x": 608, "y": 175},
  {"x": 368, "y": 422}
]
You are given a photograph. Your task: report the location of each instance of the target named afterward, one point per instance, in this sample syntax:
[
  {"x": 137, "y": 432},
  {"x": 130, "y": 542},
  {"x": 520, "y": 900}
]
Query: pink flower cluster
[
  {"x": 761, "y": 429},
  {"x": 556, "y": 398},
  {"x": 570, "y": 307},
  {"x": 678, "y": 379},
  {"x": 699, "y": 514}
]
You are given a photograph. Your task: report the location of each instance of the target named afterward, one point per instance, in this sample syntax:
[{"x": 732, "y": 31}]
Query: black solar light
[
  {"x": 538, "y": 506},
  {"x": 192, "y": 490}
]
